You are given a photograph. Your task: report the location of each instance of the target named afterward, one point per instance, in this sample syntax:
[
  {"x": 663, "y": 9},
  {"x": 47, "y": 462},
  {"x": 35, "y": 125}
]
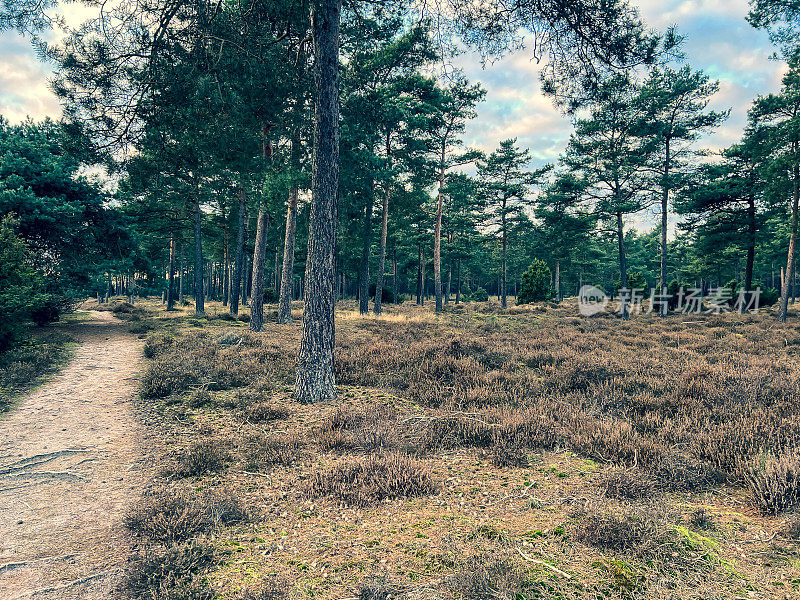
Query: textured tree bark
[
  {"x": 171, "y": 288},
  {"x": 662, "y": 283},
  {"x": 504, "y": 271},
  {"x": 394, "y": 276},
  {"x": 238, "y": 260},
  {"x": 449, "y": 283},
  {"x": 197, "y": 218},
  {"x": 287, "y": 276},
  {"x": 623, "y": 263},
  {"x": 557, "y": 283},
  {"x": 437, "y": 236},
  {"x": 458, "y": 282},
  {"x": 260, "y": 247},
  {"x": 789, "y": 273},
  {"x": 751, "y": 242},
  {"x": 377, "y": 306},
  {"x": 420, "y": 275},
  {"x": 183, "y": 270},
  {"x": 259, "y": 257},
  {"x": 315, "y": 378},
  {"x": 363, "y": 294}
]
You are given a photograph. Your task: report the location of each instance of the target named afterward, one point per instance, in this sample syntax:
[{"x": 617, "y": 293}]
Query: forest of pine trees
[{"x": 264, "y": 152}]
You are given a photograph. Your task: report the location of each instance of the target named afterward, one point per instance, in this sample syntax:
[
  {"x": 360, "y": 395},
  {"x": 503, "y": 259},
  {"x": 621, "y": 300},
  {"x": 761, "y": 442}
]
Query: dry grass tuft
[
  {"x": 167, "y": 518},
  {"x": 369, "y": 428},
  {"x": 702, "y": 519},
  {"x": 628, "y": 484},
  {"x": 173, "y": 573},
  {"x": 774, "y": 481},
  {"x": 485, "y": 577},
  {"x": 368, "y": 480},
  {"x": 380, "y": 588},
  {"x": 630, "y": 532},
  {"x": 202, "y": 458},
  {"x": 264, "y": 453}
]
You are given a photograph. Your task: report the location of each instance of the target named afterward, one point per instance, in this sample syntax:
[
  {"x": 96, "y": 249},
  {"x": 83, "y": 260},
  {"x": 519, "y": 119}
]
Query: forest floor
[
  {"x": 479, "y": 454},
  {"x": 70, "y": 465}
]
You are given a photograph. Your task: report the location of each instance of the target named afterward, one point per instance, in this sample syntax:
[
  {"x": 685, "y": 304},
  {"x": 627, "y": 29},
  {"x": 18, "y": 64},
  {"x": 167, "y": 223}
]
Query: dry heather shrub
[
  {"x": 792, "y": 529},
  {"x": 262, "y": 453},
  {"x": 380, "y": 588},
  {"x": 199, "y": 397},
  {"x": 509, "y": 452},
  {"x": 680, "y": 473},
  {"x": 443, "y": 430},
  {"x": 260, "y": 412},
  {"x": 774, "y": 481},
  {"x": 368, "y": 480},
  {"x": 369, "y": 428},
  {"x": 702, "y": 519},
  {"x": 223, "y": 508},
  {"x": 173, "y": 573},
  {"x": 166, "y": 518},
  {"x": 203, "y": 458},
  {"x": 183, "y": 362},
  {"x": 612, "y": 440},
  {"x": 632, "y": 532},
  {"x": 486, "y": 577},
  {"x": 628, "y": 484}
]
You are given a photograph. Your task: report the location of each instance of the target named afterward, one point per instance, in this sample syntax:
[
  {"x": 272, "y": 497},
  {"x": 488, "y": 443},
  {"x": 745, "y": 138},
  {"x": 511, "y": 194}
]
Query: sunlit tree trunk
[
  {"x": 377, "y": 306},
  {"x": 790, "y": 263},
  {"x": 437, "y": 234},
  {"x": 259, "y": 257},
  {"x": 238, "y": 260},
  {"x": 287, "y": 275},
  {"x": 197, "y": 219},
  {"x": 315, "y": 378},
  {"x": 171, "y": 286},
  {"x": 623, "y": 263}
]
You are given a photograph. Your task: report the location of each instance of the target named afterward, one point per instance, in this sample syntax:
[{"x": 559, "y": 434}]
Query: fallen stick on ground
[{"x": 544, "y": 564}]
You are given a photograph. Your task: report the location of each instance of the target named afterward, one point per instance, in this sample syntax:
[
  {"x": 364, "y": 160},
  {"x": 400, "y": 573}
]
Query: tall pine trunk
[
  {"x": 259, "y": 257},
  {"x": 662, "y": 282},
  {"x": 504, "y": 270},
  {"x": 437, "y": 235},
  {"x": 315, "y": 378},
  {"x": 557, "y": 282},
  {"x": 171, "y": 288},
  {"x": 420, "y": 276},
  {"x": 449, "y": 283},
  {"x": 260, "y": 247},
  {"x": 377, "y": 306},
  {"x": 363, "y": 294},
  {"x": 197, "y": 219},
  {"x": 751, "y": 242},
  {"x": 789, "y": 273},
  {"x": 458, "y": 282},
  {"x": 623, "y": 263},
  {"x": 238, "y": 260},
  {"x": 287, "y": 275},
  {"x": 394, "y": 276}
]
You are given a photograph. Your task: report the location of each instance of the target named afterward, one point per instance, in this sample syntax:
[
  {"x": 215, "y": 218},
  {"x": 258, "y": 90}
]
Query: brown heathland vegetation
[{"x": 482, "y": 453}]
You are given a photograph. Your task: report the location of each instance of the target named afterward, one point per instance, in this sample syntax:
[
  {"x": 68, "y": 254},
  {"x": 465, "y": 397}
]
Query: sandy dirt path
[{"x": 70, "y": 464}]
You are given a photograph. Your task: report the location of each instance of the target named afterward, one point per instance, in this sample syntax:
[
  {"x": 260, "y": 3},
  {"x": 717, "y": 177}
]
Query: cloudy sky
[{"x": 718, "y": 40}]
